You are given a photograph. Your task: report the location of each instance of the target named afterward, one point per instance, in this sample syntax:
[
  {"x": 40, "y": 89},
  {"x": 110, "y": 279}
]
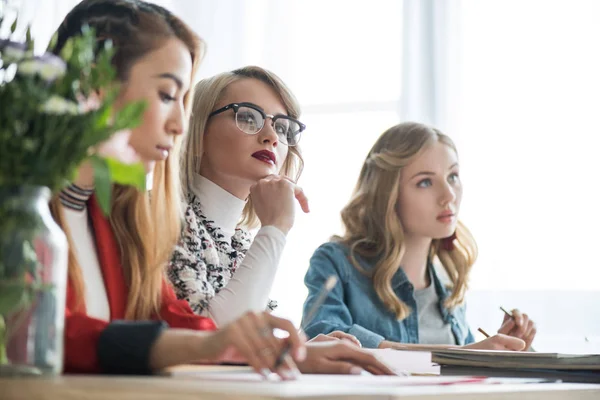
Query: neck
[
  {"x": 218, "y": 205},
  {"x": 85, "y": 176},
  {"x": 414, "y": 261}
]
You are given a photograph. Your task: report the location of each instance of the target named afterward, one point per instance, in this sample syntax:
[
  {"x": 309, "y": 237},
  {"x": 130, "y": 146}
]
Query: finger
[
  {"x": 530, "y": 336},
  {"x": 525, "y": 325},
  {"x": 299, "y": 194},
  {"x": 259, "y": 335},
  {"x": 253, "y": 188},
  {"x": 518, "y": 317},
  {"x": 378, "y": 371},
  {"x": 355, "y": 341},
  {"x": 507, "y": 326},
  {"x": 285, "y": 368},
  {"x": 302, "y": 199},
  {"x": 237, "y": 338},
  {"x": 269, "y": 347},
  {"x": 288, "y": 370},
  {"x": 528, "y": 328},
  {"x": 323, "y": 338},
  {"x": 361, "y": 358},
  {"x": 269, "y": 178},
  {"x": 298, "y": 348},
  {"x": 302, "y": 335},
  {"x": 338, "y": 367},
  {"x": 346, "y": 336},
  {"x": 374, "y": 366},
  {"x": 515, "y": 332},
  {"x": 261, "y": 182},
  {"x": 505, "y": 342}
]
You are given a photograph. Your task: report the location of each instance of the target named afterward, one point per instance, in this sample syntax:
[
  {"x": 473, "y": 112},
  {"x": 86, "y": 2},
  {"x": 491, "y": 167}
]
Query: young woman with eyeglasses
[{"x": 240, "y": 161}]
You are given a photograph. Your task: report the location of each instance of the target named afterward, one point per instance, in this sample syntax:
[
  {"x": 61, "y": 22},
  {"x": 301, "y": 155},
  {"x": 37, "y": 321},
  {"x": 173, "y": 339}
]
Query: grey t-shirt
[{"x": 432, "y": 328}]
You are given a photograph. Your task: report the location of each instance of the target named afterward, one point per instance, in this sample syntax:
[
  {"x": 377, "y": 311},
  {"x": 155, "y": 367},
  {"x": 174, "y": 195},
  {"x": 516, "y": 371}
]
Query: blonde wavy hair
[
  {"x": 136, "y": 28},
  {"x": 373, "y": 229},
  {"x": 207, "y": 93}
]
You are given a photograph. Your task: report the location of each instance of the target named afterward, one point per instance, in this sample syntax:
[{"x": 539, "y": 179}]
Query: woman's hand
[
  {"x": 273, "y": 200},
  {"x": 340, "y": 357},
  {"x": 498, "y": 342},
  {"x": 519, "y": 325},
  {"x": 336, "y": 335},
  {"x": 250, "y": 339}
]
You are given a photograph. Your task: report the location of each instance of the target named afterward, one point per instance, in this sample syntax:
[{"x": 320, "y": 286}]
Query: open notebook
[
  {"x": 516, "y": 360},
  {"x": 404, "y": 362},
  {"x": 401, "y": 362}
]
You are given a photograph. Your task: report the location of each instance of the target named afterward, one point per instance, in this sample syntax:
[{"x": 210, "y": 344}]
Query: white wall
[{"x": 518, "y": 83}]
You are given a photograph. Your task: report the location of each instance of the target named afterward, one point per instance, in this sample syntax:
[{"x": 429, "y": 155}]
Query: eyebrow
[
  {"x": 429, "y": 173},
  {"x": 168, "y": 75},
  {"x": 261, "y": 109}
]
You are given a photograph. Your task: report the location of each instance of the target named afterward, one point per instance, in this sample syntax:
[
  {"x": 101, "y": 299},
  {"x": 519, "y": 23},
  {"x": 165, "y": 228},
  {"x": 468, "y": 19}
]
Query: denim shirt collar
[{"x": 400, "y": 279}]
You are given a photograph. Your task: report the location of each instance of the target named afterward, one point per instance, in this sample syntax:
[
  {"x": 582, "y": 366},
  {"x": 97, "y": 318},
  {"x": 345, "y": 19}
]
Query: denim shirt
[{"x": 353, "y": 306}]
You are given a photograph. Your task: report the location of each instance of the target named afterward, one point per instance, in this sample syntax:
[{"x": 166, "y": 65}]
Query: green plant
[{"x": 55, "y": 111}]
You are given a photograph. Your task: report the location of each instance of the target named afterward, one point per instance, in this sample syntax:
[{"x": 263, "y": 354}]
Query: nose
[
  {"x": 447, "y": 195},
  {"x": 267, "y": 134},
  {"x": 176, "y": 122}
]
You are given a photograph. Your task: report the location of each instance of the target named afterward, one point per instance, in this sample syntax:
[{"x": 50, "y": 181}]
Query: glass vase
[{"x": 33, "y": 278}]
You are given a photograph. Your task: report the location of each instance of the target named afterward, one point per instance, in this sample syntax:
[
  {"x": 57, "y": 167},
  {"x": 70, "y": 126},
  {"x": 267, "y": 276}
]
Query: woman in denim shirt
[{"x": 401, "y": 218}]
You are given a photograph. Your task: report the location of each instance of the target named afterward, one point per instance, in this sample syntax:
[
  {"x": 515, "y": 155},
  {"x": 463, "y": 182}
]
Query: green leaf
[
  {"x": 13, "y": 27},
  {"x": 53, "y": 42},
  {"x": 103, "y": 118},
  {"x": 102, "y": 182},
  {"x": 127, "y": 174},
  {"x": 130, "y": 116},
  {"x": 28, "y": 39},
  {"x": 67, "y": 51},
  {"x": 14, "y": 296}
]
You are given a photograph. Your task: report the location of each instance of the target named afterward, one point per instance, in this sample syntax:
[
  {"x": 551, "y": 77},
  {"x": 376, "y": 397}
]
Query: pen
[
  {"x": 329, "y": 284},
  {"x": 512, "y": 317}
]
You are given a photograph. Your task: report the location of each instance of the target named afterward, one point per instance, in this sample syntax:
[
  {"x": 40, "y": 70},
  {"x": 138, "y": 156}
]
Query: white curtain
[{"x": 431, "y": 60}]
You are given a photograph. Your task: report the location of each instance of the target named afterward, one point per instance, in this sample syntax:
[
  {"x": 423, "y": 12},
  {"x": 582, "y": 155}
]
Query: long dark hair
[{"x": 136, "y": 28}]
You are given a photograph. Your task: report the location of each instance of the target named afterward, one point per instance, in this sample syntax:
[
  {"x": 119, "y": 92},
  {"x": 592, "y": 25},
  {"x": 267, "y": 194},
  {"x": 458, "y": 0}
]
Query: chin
[
  {"x": 444, "y": 234},
  {"x": 260, "y": 173}
]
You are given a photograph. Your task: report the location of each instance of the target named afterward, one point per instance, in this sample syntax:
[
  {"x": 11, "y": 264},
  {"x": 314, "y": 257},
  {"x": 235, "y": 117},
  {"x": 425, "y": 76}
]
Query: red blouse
[{"x": 82, "y": 332}]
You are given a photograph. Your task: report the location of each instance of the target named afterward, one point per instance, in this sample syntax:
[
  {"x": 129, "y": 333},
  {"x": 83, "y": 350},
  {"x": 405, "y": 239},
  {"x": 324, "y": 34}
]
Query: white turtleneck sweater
[
  {"x": 249, "y": 287},
  {"x": 96, "y": 299}
]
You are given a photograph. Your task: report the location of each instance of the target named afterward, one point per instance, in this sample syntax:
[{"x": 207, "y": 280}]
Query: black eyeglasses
[{"x": 250, "y": 119}]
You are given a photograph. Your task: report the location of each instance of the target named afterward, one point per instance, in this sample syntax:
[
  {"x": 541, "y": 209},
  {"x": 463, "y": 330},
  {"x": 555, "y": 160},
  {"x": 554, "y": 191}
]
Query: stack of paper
[
  {"x": 404, "y": 362},
  {"x": 516, "y": 360},
  {"x": 234, "y": 375}
]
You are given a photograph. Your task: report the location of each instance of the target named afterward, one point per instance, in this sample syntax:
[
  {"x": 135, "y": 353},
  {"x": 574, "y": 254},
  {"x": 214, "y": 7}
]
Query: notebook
[
  {"x": 405, "y": 362},
  {"x": 516, "y": 360}
]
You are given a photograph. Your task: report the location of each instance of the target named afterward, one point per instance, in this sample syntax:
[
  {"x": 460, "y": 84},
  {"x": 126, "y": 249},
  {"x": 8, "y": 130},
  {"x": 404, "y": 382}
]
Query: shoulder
[
  {"x": 333, "y": 249},
  {"x": 192, "y": 215},
  {"x": 332, "y": 256}
]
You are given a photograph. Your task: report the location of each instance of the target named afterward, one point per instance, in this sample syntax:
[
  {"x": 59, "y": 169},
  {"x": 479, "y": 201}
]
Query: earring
[{"x": 448, "y": 243}]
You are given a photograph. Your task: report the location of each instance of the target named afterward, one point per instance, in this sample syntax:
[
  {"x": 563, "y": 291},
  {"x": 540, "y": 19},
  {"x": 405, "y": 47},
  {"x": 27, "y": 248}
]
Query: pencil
[
  {"x": 484, "y": 332},
  {"x": 512, "y": 317},
  {"x": 329, "y": 284}
]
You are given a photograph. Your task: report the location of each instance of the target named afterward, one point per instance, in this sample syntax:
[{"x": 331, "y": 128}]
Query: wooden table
[{"x": 184, "y": 388}]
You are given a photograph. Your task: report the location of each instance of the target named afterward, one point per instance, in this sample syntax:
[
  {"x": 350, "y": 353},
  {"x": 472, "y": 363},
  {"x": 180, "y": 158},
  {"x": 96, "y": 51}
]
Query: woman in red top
[{"x": 118, "y": 304}]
